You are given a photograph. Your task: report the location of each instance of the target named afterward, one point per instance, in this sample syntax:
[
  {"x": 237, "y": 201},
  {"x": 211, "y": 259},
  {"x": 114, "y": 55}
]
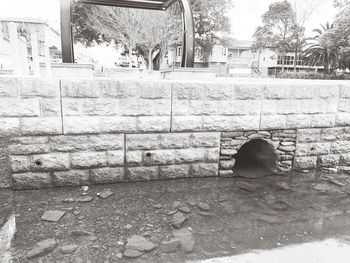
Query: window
[
  {"x": 288, "y": 60},
  {"x": 179, "y": 51},
  {"x": 224, "y": 52}
]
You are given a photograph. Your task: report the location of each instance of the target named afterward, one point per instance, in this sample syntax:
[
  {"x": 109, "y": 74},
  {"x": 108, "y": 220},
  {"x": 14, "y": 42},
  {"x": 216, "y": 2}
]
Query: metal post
[
  {"x": 188, "y": 35},
  {"x": 66, "y": 32}
]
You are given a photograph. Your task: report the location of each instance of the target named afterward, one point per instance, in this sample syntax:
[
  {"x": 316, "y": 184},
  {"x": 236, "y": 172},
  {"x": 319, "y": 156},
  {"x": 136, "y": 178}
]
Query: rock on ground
[
  {"x": 203, "y": 206},
  {"x": 139, "y": 243},
  {"x": 69, "y": 248},
  {"x": 52, "y": 216},
  {"x": 132, "y": 253},
  {"x": 105, "y": 194},
  {"x": 186, "y": 239},
  {"x": 178, "y": 219},
  {"x": 170, "y": 246},
  {"x": 42, "y": 248}
]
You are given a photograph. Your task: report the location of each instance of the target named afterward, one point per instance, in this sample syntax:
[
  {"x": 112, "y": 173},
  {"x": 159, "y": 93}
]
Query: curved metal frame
[{"x": 187, "y": 18}]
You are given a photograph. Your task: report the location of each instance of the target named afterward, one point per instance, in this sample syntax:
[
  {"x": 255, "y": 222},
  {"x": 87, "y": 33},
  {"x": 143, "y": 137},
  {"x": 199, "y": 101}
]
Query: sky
[{"x": 245, "y": 16}]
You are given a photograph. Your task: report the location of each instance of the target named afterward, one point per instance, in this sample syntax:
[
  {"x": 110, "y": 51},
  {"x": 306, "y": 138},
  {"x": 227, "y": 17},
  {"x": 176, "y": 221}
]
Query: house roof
[
  {"x": 144, "y": 4},
  {"x": 235, "y": 43},
  {"x": 23, "y": 20}
]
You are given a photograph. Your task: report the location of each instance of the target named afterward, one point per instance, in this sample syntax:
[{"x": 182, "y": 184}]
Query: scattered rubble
[
  {"x": 52, "y": 216},
  {"x": 184, "y": 209}
]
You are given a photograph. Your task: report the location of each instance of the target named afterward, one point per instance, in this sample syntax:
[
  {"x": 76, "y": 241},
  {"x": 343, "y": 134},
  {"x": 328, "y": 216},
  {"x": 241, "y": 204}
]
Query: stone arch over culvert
[
  {"x": 255, "y": 158},
  {"x": 274, "y": 149}
]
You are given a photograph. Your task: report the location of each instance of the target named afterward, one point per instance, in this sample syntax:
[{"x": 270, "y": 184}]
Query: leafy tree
[
  {"x": 279, "y": 31},
  {"x": 323, "y": 49}
]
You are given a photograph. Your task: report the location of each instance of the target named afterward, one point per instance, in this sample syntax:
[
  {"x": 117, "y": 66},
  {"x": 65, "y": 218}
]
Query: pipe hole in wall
[
  {"x": 38, "y": 162},
  {"x": 256, "y": 158}
]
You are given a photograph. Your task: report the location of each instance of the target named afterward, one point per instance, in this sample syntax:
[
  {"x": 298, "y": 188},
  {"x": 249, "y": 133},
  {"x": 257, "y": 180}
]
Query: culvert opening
[{"x": 256, "y": 158}]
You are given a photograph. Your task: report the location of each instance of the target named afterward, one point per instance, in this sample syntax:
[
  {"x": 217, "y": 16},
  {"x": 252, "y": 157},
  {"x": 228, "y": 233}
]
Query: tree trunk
[
  {"x": 150, "y": 60},
  {"x": 130, "y": 56}
]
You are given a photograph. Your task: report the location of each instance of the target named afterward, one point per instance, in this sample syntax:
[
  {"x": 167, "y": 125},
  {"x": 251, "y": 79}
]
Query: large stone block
[
  {"x": 9, "y": 126},
  {"x": 220, "y": 91},
  {"x": 8, "y": 87},
  {"x": 153, "y": 124},
  {"x": 106, "y": 142},
  {"x": 311, "y": 149},
  {"x": 157, "y": 157},
  {"x": 342, "y": 119},
  {"x": 286, "y": 91},
  {"x": 107, "y": 175},
  {"x": 71, "y": 178},
  {"x": 218, "y": 123},
  {"x": 89, "y": 159},
  {"x": 38, "y": 87},
  {"x": 155, "y": 90},
  {"x": 143, "y": 107},
  {"x": 143, "y": 141},
  {"x": 345, "y": 159},
  {"x": 10, "y": 107},
  {"x": 134, "y": 158},
  {"x": 175, "y": 140},
  {"x": 306, "y": 162},
  {"x": 344, "y": 92},
  {"x": 174, "y": 171},
  {"x": 81, "y": 88},
  {"x": 24, "y": 149},
  {"x": 205, "y": 139},
  {"x": 115, "y": 158},
  {"x": 100, "y": 107},
  {"x": 119, "y": 124},
  {"x": 190, "y": 155},
  {"x": 309, "y": 135},
  {"x": 298, "y": 121},
  {"x": 246, "y": 91},
  {"x": 186, "y": 123},
  {"x": 120, "y": 89},
  {"x": 344, "y": 105},
  {"x": 142, "y": 173},
  {"x": 41, "y": 126},
  {"x": 71, "y": 107},
  {"x": 330, "y": 160},
  {"x": 68, "y": 143},
  {"x": 340, "y": 147},
  {"x": 239, "y": 107},
  {"x": 50, "y": 162},
  {"x": 31, "y": 181},
  {"x": 212, "y": 155},
  {"x": 81, "y": 125},
  {"x": 50, "y": 107},
  {"x": 29, "y": 140},
  {"x": 204, "y": 170},
  {"x": 322, "y": 120},
  {"x": 188, "y": 91},
  {"x": 270, "y": 122},
  {"x": 200, "y": 107},
  {"x": 20, "y": 163},
  {"x": 327, "y": 91}
]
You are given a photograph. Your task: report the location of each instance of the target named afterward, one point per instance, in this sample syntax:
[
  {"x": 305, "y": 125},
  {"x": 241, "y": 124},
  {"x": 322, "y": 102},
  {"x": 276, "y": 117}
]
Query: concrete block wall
[{"x": 76, "y": 132}]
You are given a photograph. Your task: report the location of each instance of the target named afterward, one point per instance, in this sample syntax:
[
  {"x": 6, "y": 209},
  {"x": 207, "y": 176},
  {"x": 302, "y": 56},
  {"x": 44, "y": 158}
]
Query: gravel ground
[{"x": 4, "y": 164}]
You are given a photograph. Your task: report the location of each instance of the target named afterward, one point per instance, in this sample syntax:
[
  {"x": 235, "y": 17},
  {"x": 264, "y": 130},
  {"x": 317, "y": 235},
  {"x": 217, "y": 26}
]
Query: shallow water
[{"x": 245, "y": 214}]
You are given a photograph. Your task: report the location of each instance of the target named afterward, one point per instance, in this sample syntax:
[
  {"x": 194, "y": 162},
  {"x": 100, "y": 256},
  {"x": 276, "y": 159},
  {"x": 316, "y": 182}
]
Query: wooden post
[
  {"x": 66, "y": 32},
  {"x": 16, "y": 66},
  {"x": 35, "y": 55},
  {"x": 188, "y": 35}
]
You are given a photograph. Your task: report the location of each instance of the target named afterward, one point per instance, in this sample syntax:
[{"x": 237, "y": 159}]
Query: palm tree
[{"x": 321, "y": 50}]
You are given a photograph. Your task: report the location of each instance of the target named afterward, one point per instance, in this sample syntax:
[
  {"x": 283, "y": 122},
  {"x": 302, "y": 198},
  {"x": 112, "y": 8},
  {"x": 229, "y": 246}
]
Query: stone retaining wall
[{"x": 75, "y": 132}]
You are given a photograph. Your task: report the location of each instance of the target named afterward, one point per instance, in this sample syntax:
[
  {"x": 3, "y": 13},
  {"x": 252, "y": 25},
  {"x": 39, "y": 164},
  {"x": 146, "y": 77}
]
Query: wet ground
[{"x": 243, "y": 215}]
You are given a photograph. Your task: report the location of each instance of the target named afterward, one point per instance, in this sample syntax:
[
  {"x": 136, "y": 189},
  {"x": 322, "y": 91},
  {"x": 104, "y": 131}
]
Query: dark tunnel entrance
[{"x": 256, "y": 158}]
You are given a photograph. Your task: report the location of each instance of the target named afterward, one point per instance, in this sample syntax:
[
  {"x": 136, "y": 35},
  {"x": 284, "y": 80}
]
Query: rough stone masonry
[{"x": 91, "y": 131}]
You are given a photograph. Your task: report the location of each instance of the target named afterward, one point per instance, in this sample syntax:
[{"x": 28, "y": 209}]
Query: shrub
[{"x": 312, "y": 75}]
